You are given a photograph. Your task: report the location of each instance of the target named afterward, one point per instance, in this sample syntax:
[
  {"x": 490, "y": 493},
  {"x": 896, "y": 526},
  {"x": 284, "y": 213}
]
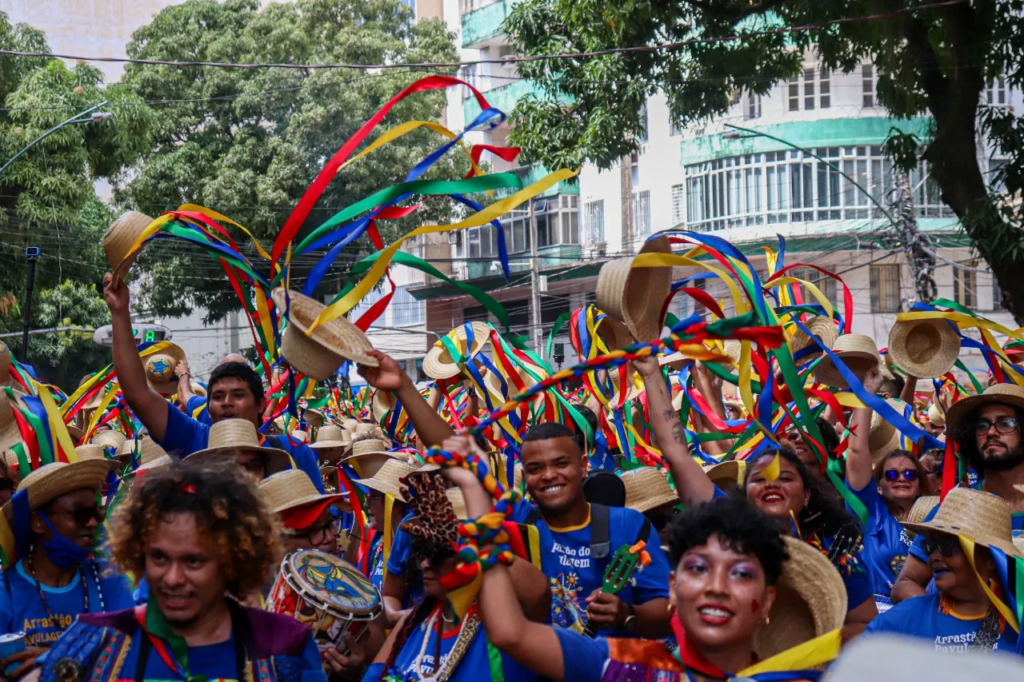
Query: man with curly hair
[{"x": 204, "y": 541}]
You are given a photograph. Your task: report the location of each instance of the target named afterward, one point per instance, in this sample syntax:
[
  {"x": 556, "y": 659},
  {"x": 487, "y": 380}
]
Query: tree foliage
[
  {"x": 247, "y": 143},
  {"x": 932, "y": 62}
]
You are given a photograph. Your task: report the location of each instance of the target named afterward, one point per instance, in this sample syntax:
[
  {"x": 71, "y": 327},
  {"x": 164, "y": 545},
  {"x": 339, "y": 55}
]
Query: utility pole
[
  {"x": 916, "y": 246},
  {"x": 31, "y": 255},
  {"x": 626, "y": 190},
  {"x": 538, "y": 333}
]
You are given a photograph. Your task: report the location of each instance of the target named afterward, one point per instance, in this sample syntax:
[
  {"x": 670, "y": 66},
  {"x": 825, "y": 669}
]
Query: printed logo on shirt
[
  {"x": 572, "y": 557},
  {"x": 567, "y": 607},
  {"x": 956, "y": 643},
  {"x": 904, "y": 538},
  {"x": 35, "y": 626}
]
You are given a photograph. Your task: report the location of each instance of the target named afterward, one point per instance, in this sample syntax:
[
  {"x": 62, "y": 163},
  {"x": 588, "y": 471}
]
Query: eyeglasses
[
  {"x": 1002, "y": 424},
  {"x": 894, "y": 474},
  {"x": 318, "y": 535},
  {"x": 82, "y": 515},
  {"x": 947, "y": 545}
]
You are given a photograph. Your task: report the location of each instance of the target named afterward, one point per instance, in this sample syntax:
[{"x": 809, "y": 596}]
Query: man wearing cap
[
  {"x": 234, "y": 391},
  {"x": 55, "y": 517},
  {"x": 987, "y": 431}
]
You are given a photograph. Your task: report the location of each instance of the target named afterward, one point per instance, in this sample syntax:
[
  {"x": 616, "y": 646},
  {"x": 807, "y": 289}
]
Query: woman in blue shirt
[
  {"x": 888, "y": 488},
  {"x": 959, "y": 616}
]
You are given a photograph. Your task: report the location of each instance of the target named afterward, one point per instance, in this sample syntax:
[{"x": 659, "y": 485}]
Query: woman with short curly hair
[{"x": 202, "y": 538}]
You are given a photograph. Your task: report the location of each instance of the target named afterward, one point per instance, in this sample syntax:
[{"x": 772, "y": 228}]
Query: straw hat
[
  {"x": 386, "y": 479},
  {"x": 332, "y": 436},
  {"x": 810, "y": 601},
  {"x": 350, "y": 425},
  {"x": 368, "y": 456},
  {"x": 935, "y": 415},
  {"x": 439, "y": 364},
  {"x": 119, "y": 239},
  {"x": 381, "y": 404},
  {"x": 51, "y": 481},
  {"x": 924, "y": 348},
  {"x": 90, "y": 451},
  {"x": 857, "y": 351},
  {"x": 230, "y": 435},
  {"x": 883, "y": 437},
  {"x": 5, "y": 364},
  {"x": 635, "y": 295},
  {"x": 160, "y": 369},
  {"x": 727, "y": 473},
  {"x": 821, "y": 328},
  {"x": 293, "y": 488},
  {"x": 10, "y": 435},
  {"x": 979, "y": 515},
  {"x": 647, "y": 489},
  {"x": 108, "y": 438},
  {"x": 314, "y": 418},
  {"x": 320, "y": 354},
  {"x": 613, "y": 334},
  {"x": 1007, "y": 394},
  {"x": 363, "y": 429},
  {"x": 493, "y": 383},
  {"x": 458, "y": 502},
  {"x": 922, "y": 508}
]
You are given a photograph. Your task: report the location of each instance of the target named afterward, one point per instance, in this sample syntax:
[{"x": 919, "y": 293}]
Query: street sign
[{"x": 143, "y": 333}]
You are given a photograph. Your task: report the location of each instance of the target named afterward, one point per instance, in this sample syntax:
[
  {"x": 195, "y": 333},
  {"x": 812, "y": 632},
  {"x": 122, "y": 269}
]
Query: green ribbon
[
  {"x": 559, "y": 323},
  {"x": 157, "y": 625}
]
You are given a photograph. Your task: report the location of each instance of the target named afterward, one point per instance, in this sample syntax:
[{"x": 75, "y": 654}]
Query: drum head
[{"x": 338, "y": 585}]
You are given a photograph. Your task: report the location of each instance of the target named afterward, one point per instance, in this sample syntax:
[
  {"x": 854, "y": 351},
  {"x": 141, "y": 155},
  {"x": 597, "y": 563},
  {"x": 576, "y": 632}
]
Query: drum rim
[{"x": 313, "y": 594}]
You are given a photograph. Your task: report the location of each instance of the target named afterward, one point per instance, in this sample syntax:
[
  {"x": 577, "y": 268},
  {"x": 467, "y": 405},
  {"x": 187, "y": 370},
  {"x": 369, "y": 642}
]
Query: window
[
  {"x": 965, "y": 285},
  {"x": 460, "y": 251},
  {"x": 816, "y": 90},
  {"x": 867, "y": 81},
  {"x": 641, "y": 213},
  {"x": 794, "y": 94},
  {"x": 678, "y": 204},
  {"x": 825, "y": 90},
  {"x": 885, "y": 288},
  {"x": 809, "y": 89},
  {"x": 642, "y": 137},
  {"x": 634, "y": 168},
  {"x": 593, "y": 221},
  {"x": 677, "y": 127},
  {"x": 752, "y": 108},
  {"x": 995, "y": 93},
  {"x": 405, "y": 309},
  {"x": 825, "y": 284}
]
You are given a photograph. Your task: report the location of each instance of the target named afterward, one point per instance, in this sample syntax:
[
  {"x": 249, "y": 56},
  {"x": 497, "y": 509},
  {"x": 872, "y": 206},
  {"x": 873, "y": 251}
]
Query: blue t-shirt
[
  {"x": 574, "y": 575},
  {"x": 184, "y": 435},
  {"x": 475, "y": 664},
  {"x": 583, "y": 659},
  {"x": 21, "y": 609},
  {"x": 196, "y": 408},
  {"x": 377, "y": 562},
  {"x": 1016, "y": 521},
  {"x": 925, "y": 617},
  {"x": 886, "y": 542},
  {"x": 400, "y": 565}
]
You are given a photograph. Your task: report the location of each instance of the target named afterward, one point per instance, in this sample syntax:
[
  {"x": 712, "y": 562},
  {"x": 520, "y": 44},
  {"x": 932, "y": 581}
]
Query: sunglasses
[
  {"x": 947, "y": 545},
  {"x": 83, "y": 515},
  {"x": 435, "y": 554},
  {"x": 1002, "y": 424},
  {"x": 894, "y": 474}
]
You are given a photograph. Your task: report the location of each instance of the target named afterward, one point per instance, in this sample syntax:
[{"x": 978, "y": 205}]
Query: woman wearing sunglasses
[
  {"x": 797, "y": 499},
  {"x": 887, "y": 485},
  {"x": 959, "y": 616}
]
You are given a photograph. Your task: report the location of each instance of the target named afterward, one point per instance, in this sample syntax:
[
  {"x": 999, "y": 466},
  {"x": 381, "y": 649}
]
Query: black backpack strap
[
  {"x": 600, "y": 532},
  {"x": 645, "y": 531},
  {"x": 532, "y": 517}
]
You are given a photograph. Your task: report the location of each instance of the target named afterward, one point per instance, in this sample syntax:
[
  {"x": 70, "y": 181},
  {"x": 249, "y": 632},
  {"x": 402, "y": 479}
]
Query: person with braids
[
  {"x": 742, "y": 595},
  {"x": 203, "y": 539},
  {"x": 888, "y": 489},
  {"x": 781, "y": 486},
  {"x": 433, "y": 641}
]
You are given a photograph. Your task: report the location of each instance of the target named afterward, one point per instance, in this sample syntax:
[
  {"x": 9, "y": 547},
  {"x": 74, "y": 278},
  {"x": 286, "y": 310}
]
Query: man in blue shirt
[
  {"x": 55, "y": 517},
  {"x": 987, "y": 429},
  {"x": 194, "y": 404},
  {"x": 234, "y": 392}
]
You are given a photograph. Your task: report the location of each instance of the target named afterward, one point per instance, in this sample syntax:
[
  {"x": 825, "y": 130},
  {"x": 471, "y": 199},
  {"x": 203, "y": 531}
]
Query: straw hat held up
[
  {"x": 119, "y": 239},
  {"x": 634, "y": 295},
  {"x": 858, "y": 353},
  {"x": 924, "y": 348}
]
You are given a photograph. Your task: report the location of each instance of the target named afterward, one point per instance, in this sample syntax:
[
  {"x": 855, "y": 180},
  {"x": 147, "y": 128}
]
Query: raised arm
[
  {"x": 431, "y": 427},
  {"x": 184, "y": 382},
  {"x": 692, "y": 484},
  {"x": 858, "y": 460},
  {"x": 148, "y": 405}
]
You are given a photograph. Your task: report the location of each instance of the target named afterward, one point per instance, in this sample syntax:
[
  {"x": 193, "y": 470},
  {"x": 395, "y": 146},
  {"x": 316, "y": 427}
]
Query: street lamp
[{"x": 90, "y": 115}]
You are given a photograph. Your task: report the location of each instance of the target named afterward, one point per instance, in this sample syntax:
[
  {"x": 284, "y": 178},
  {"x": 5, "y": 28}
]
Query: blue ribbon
[{"x": 22, "y": 524}]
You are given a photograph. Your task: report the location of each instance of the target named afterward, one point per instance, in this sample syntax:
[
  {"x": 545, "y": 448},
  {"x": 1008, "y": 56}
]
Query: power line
[{"x": 505, "y": 60}]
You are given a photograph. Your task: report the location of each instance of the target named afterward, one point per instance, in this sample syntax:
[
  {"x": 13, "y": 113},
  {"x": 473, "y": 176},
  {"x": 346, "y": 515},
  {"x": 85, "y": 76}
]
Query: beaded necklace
[{"x": 85, "y": 588}]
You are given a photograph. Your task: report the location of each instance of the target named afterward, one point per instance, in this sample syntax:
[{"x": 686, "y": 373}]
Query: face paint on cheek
[{"x": 755, "y": 606}]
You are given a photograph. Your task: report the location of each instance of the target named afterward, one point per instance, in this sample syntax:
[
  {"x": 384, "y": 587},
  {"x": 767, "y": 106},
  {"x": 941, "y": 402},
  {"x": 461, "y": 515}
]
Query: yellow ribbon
[
  {"x": 772, "y": 471},
  {"x": 57, "y": 426},
  {"x": 967, "y": 543},
  {"x": 810, "y": 654}
]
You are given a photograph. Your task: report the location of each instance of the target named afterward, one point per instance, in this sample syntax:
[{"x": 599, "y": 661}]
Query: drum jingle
[{"x": 326, "y": 593}]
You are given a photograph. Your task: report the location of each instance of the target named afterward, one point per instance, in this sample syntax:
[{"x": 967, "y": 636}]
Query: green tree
[
  {"x": 933, "y": 62},
  {"x": 247, "y": 143}
]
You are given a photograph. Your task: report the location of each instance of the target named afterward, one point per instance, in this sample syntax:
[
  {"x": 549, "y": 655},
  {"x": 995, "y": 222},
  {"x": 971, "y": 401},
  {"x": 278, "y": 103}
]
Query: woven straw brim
[
  {"x": 368, "y": 464},
  {"x": 883, "y": 437},
  {"x": 170, "y": 387},
  {"x": 324, "y": 444},
  {"x": 647, "y": 489},
  {"x": 732, "y": 471},
  {"x": 458, "y": 502},
  {"x": 76, "y": 433},
  {"x": 314, "y": 418},
  {"x": 859, "y": 354},
  {"x": 386, "y": 480},
  {"x": 288, "y": 491},
  {"x": 979, "y": 515},
  {"x": 1008, "y": 394},
  {"x": 119, "y": 239},
  {"x": 635, "y": 296},
  {"x": 9, "y": 433},
  {"x": 91, "y": 451},
  {"x": 935, "y": 415},
  {"x": 319, "y": 354},
  {"x": 613, "y": 333},
  {"x": 109, "y": 439},
  {"x": 922, "y": 507},
  {"x": 381, "y": 404},
  {"x": 275, "y": 460},
  {"x": 810, "y": 601},
  {"x": 51, "y": 481},
  {"x": 331, "y": 436},
  {"x": 438, "y": 363},
  {"x": 822, "y": 328},
  {"x": 924, "y": 348}
]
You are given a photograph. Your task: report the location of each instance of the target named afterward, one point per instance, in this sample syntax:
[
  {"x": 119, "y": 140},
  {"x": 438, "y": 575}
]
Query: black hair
[
  {"x": 549, "y": 431},
  {"x": 591, "y": 419},
  {"x": 966, "y": 438},
  {"x": 829, "y": 437},
  {"x": 824, "y": 511},
  {"x": 738, "y": 524},
  {"x": 238, "y": 370},
  {"x": 894, "y": 387}
]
